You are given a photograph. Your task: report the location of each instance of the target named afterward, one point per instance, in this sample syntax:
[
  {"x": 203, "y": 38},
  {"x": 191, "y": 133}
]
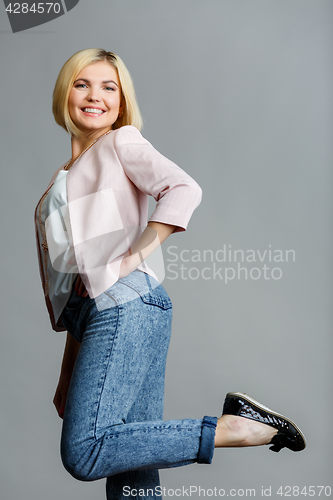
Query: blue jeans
[{"x": 113, "y": 423}]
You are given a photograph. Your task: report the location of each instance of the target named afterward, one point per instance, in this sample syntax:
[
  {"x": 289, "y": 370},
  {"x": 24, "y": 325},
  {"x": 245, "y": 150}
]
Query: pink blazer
[{"x": 107, "y": 192}]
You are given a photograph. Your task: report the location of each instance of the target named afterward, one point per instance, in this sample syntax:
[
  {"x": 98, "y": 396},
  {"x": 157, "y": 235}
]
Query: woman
[{"x": 93, "y": 239}]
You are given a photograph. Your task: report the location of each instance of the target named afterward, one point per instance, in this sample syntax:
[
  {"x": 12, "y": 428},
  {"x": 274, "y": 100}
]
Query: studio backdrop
[{"x": 238, "y": 93}]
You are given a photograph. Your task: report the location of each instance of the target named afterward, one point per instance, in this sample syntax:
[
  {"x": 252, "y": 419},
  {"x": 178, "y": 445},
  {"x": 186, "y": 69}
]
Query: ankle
[
  {"x": 229, "y": 432},
  {"x": 235, "y": 431}
]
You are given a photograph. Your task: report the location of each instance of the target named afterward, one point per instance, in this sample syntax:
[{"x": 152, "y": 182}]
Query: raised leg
[{"x": 103, "y": 431}]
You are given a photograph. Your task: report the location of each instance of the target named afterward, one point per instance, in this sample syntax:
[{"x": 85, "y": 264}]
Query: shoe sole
[{"x": 268, "y": 410}]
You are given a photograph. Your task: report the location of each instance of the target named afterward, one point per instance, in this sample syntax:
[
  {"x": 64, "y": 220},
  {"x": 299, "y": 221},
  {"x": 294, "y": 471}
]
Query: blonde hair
[{"x": 131, "y": 114}]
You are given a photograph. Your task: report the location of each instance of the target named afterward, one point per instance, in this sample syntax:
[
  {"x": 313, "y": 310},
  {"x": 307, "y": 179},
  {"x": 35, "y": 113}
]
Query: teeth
[{"x": 93, "y": 110}]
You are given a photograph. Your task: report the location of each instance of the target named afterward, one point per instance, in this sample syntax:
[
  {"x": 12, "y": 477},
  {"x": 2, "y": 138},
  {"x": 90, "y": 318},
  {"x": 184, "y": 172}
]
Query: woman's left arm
[{"x": 176, "y": 193}]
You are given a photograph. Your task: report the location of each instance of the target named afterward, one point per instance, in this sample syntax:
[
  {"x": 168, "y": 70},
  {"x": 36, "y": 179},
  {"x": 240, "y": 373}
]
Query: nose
[{"x": 93, "y": 95}]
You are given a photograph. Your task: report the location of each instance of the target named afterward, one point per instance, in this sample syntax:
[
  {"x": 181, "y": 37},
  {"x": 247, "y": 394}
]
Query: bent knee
[
  {"x": 86, "y": 461},
  {"x": 80, "y": 461},
  {"x": 74, "y": 466}
]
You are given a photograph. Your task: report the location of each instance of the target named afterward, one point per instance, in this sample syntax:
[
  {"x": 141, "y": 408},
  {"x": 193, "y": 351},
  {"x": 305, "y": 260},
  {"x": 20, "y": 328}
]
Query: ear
[{"x": 121, "y": 106}]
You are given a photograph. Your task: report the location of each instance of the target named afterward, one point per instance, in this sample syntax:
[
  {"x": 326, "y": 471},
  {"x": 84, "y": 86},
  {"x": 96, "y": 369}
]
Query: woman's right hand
[
  {"x": 61, "y": 392},
  {"x": 72, "y": 348},
  {"x": 79, "y": 288}
]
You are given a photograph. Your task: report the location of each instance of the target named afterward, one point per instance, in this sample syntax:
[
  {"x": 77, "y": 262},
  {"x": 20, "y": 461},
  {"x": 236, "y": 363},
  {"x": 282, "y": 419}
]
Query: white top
[{"x": 61, "y": 265}]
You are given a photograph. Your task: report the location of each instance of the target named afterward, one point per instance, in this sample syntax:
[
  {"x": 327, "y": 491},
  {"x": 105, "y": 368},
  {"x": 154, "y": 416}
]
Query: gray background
[{"x": 239, "y": 94}]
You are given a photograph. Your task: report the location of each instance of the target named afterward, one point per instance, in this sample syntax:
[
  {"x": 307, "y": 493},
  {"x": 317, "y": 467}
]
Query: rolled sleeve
[{"x": 176, "y": 193}]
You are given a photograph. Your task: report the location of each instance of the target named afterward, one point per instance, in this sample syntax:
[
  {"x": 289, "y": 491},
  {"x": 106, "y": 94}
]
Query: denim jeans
[{"x": 113, "y": 425}]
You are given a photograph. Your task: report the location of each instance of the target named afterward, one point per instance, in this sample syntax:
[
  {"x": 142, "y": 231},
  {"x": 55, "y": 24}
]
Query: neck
[{"x": 79, "y": 144}]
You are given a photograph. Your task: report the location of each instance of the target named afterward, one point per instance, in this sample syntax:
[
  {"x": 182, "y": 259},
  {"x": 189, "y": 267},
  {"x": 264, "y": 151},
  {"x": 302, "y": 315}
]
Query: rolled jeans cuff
[{"x": 206, "y": 449}]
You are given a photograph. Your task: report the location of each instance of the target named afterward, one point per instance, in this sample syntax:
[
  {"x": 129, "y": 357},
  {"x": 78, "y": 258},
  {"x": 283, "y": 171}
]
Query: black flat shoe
[{"x": 288, "y": 436}]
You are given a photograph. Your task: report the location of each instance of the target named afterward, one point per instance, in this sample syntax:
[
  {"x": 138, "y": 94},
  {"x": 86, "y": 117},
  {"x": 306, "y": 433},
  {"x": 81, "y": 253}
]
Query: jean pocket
[
  {"x": 138, "y": 285},
  {"x": 157, "y": 297}
]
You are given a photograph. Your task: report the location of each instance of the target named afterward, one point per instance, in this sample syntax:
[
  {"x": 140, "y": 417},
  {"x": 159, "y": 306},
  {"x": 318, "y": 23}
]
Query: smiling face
[{"x": 94, "y": 102}]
